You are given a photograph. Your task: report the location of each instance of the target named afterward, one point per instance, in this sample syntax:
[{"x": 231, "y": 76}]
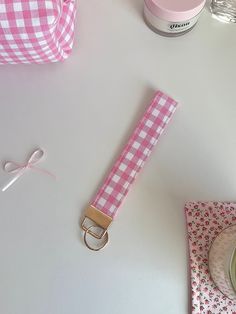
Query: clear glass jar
[{"x": 224, "y": 10}]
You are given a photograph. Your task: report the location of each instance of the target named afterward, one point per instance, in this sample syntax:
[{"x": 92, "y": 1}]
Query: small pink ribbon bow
[{"x": 20, "y": 169}]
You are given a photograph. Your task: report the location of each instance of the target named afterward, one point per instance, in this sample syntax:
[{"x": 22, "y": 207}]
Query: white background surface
[{"x": 82, "y": 112}]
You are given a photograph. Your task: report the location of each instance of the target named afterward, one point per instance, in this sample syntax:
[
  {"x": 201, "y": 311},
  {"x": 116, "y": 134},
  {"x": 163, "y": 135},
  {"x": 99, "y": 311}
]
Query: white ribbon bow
[{"x": 20, "y": 169}]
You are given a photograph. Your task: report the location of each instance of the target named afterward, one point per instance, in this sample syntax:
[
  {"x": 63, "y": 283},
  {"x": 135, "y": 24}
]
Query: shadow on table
[{"x": 135, "y": 5}]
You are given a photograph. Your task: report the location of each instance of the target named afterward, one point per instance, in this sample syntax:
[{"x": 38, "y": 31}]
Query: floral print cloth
[{"x": 205, "y": 220}]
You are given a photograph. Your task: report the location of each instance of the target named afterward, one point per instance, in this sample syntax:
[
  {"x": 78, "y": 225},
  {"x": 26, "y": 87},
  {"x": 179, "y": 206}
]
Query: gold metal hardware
[
  {"x": 95, "y": 223},
  {"x": 98, "y": 246}
]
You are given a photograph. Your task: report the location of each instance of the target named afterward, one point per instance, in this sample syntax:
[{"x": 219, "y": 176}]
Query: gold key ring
[{"x": 105, "y": 239}]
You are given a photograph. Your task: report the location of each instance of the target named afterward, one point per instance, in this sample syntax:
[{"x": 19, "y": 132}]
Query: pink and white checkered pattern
[
  {"x": 134, "y": 155},
  {"x": 36, "y": 31}
]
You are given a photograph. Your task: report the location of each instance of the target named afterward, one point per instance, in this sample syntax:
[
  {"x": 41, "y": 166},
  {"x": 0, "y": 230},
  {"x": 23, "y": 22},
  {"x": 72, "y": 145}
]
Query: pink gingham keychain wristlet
[{"x": 104, "y": 207}]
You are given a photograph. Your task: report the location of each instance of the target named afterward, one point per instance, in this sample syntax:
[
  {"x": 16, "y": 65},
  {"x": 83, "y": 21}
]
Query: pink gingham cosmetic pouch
[{"x": 36, "y": 31}]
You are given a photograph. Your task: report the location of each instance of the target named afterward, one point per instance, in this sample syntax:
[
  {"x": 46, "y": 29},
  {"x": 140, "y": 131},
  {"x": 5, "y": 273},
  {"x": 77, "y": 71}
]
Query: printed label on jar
[
  {"x": 167, "y": 26},
  {"x": 179, "y": 27}
]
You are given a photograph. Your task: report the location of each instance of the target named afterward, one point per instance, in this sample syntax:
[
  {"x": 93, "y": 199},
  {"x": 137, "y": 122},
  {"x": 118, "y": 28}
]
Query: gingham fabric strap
[{"x": 134, "y": 155}]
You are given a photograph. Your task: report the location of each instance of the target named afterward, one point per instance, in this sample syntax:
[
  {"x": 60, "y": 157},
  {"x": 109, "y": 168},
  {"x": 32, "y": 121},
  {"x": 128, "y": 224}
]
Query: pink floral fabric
[{"x": 205, "y": 220}]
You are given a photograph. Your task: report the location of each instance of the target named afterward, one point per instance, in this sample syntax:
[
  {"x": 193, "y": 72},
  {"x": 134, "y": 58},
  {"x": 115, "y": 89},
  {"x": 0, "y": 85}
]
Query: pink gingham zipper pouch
[{"x": 33, "y": 31}]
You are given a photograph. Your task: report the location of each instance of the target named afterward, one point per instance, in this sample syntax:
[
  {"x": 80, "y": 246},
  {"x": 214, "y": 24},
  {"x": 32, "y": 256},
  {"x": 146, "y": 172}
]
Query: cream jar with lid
[{"x": 172, "y": 17}]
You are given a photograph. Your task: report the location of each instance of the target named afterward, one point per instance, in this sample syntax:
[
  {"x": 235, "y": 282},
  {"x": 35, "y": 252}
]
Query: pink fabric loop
[
  {"x": 19, "y": 169},
  {"x": 136, "y": 152}
]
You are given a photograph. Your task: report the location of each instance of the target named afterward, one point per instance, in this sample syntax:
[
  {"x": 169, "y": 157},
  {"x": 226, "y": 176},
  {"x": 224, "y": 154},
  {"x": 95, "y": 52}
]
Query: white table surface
[{"x": 81, "y": 112}]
